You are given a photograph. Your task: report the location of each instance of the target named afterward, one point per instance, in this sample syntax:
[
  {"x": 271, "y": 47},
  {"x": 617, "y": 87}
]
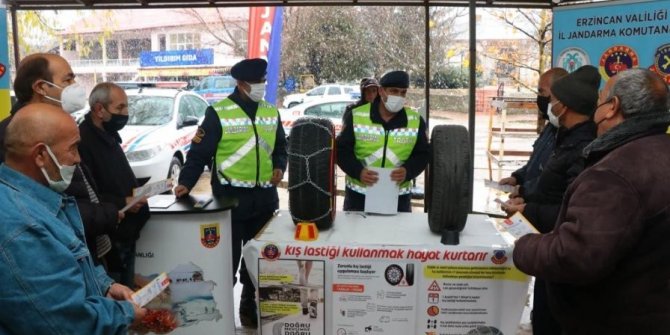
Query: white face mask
[
  {"x": 66, "y": 173},
  {"x": 553, "y": 119},
  {"x": 394, "y": 103},
  {"x": 72, "y": 99},
  {"x": 257, "y": 92}
]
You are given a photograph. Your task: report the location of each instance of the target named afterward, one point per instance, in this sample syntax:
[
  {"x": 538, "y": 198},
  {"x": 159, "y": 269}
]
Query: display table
[
  {"x": 385, "y": 275},
  {"x": 192, "y": 245}
]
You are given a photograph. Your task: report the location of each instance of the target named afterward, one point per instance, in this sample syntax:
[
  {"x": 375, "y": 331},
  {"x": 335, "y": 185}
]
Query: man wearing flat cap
[
  {"x": 572, "y": 103},
  {"x": 243, "y": 137},
  {"x": 384, "y": 134}
]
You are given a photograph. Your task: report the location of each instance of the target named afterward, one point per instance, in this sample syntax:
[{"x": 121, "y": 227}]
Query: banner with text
[
  {"x": 265, "y": 29},
  {"x": 613, "y": 37},
  {"x": 177, "y": 57},
  {"x": 5, "y": 104}
]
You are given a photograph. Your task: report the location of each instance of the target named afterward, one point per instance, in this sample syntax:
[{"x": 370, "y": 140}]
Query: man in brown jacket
[{"x": 607, "y": 261}]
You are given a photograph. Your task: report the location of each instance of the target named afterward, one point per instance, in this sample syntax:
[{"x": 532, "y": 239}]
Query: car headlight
[{"x": 142, "y": 155}]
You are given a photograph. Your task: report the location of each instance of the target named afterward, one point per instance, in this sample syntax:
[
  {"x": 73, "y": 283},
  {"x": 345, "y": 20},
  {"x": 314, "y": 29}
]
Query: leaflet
[
  {"x": 496, "y": 186},
  {"x": 151, "y": 290},
  {"x": 517, "y": 225}
]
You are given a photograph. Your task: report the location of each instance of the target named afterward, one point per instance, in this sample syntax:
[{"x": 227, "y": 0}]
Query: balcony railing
[{"x": 132, "y": 62}]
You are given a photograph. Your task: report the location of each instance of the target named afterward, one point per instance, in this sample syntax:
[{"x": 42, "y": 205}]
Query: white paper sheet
[
  {"x": 382, "y": 197},
  {"x": 152, "y": 189},
  {"x": 162, "y": 201}
]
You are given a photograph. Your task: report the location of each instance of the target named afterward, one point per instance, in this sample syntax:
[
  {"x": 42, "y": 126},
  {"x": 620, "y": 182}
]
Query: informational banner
[
  {"x": 613, "y": 36},
  {"x": 5, "y": 104},
  {"x": 291, "y": 296},
  {"x": 265, "y": 29},
  {"x": 177, "y": 57}
]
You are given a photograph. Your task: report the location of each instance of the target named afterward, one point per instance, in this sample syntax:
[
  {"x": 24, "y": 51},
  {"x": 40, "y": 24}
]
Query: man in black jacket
[
  {"x": 101, "y": 151},
  {"x": 527, "y": 176},
  {"x": 573, "y": 101},
  {"x": 383, "y": 134}
]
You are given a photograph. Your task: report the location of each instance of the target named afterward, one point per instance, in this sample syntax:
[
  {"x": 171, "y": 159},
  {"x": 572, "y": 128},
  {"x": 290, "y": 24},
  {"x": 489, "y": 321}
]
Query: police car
[
  {"x": 321, "y": 92},
  {"x": 332, "y": 108},
  {"x": 161, "y": 124}
]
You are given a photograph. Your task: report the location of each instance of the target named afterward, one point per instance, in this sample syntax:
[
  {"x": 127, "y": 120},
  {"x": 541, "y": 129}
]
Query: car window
[
  {"x": 316, "y": 91},
  {"x": 186, "y": 108},
  {"x": 331, "y": 110},
  {"x": 224, "y": 83},
  {"x": 144, "y": 110},
  {"x": 199, "y": 106},
  {"x": 348, "y": 89},
  {"x": 333, "y": 90}
]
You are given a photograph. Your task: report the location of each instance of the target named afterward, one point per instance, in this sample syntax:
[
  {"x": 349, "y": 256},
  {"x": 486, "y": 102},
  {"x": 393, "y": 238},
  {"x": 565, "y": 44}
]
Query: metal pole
[
  {"x": 427, "y": 63},
  {"x": 473, "y": 85},
  {"x": 15, "y": 37}
]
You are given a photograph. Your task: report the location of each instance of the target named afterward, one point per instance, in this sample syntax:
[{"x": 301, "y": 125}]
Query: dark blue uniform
[{"x": 256, "y": 205}]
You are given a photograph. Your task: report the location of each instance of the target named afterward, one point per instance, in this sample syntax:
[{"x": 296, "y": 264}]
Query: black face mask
[
  {"x": 116, "y": 123},
  {"x": 543, "y": 105}
]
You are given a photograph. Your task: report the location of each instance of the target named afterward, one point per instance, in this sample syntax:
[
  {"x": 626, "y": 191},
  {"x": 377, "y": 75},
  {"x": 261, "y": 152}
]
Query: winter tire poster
[
  {"x": 291, "y": 296},
  {"x": 376, "y": 297}
]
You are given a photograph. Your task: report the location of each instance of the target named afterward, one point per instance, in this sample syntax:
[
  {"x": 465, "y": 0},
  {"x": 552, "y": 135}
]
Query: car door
[{"x": 187, "y": 121}]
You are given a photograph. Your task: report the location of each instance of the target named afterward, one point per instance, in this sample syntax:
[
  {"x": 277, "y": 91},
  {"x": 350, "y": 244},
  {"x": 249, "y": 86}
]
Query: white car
[
  {"x": 161, "y": 124},
  {"x": 320, "y": 92},
  {"x": 332, "y": 108}
]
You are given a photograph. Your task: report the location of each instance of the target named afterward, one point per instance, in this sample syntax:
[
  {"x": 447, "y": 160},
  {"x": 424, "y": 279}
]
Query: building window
[{"x": 184, "y": 41}]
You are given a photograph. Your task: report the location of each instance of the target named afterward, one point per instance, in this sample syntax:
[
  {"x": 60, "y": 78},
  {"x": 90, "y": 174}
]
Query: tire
[
  {"x": 175, "y": 168},
  {"x": 393, "y": 274},
  {"x": 449, "y": 191},
  {"x": 409, "y": 274},
  {"x": 290, "y": 105},
  {"x": 311, "y": 166}
]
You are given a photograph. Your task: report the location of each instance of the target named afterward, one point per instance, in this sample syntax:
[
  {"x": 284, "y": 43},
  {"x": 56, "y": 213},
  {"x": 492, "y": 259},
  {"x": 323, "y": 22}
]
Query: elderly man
[
  {"x": 49, "y": 282},
  {"x": 607, "y": 260},
  {"x": 101, "y": 151},
  {"x": 46, "y": 78},
  {"x": 243, "y": 136},
  {"x": 385, "y": 134}
]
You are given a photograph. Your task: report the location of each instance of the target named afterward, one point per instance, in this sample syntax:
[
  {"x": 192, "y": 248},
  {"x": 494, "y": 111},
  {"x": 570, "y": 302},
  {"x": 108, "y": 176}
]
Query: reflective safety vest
[
  {"x": 376, "y": 147},
  {"x": 244, "y": 153}
]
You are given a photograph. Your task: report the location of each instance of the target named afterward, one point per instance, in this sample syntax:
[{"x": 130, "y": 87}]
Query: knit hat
[{"x": 579, "y": 90}]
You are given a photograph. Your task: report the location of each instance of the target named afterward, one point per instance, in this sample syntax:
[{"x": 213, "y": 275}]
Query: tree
[
  {"x": 223, "y": 30},
  {"x": 36, "y": 32}
]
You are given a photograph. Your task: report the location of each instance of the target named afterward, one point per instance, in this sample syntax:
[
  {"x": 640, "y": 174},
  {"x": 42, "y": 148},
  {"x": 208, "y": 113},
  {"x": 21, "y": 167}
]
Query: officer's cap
[
  {"x": 399, "y": 79},
  {"x": 250, "y": 69}
]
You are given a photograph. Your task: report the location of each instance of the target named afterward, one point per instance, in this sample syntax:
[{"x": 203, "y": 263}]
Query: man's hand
[
  {"x": 515, "y": 201},
  {"x": 181, "y": 191},
  {"x": 140, "y": 313},
  {"x": 398, "y": 175},
  {"x": 368, "y": 177},
  {"x": 516, "y": 193},
  {"x": 119, "y": 292},
  {"x": 121, "y": 216},
  {"x": 508, "y": 181},
  {"x": 510, "y": 209},
  {"x": 136, "y": 207},
  {"x": 277, "y": 176}
]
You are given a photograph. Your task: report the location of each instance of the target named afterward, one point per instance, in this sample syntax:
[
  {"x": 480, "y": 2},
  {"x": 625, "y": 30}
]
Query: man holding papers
[
  {"x": 101, "y": 152},
  {"x": 382, "y": 134}
]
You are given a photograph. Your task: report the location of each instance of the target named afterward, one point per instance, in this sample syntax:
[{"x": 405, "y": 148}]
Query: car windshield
[{"x": 144, "y": 110}]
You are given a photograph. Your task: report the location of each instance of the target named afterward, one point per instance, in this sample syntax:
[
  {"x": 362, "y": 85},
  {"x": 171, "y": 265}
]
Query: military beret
[
  {"x": 250, "y": 69},
  {"x": 398, "y": 79}
]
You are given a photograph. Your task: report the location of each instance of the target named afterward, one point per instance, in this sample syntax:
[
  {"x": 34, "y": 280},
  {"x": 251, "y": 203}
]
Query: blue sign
[
  {"x": 177, "y": 57},
  {"x": 613, "y": 36}
]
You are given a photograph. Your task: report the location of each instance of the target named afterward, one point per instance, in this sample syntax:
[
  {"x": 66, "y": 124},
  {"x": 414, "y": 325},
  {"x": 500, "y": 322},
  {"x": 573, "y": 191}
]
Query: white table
[{"x": 385, "y": 274}]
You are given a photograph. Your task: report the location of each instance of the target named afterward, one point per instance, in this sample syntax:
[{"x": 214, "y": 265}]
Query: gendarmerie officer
[
  {"x": 243, "y": 138},
  {"x": 384, "y": 134}
]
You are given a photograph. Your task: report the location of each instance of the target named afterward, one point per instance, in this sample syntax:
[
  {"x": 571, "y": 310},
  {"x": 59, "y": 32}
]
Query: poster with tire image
[
  {"x": 291, "y": 296},
  {"x": 376, "y": 297}
]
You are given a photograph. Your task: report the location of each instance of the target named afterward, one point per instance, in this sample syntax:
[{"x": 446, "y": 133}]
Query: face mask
[
  {"x": 116, "y": 123},
  {"x": 553, "y": 119},
  {"x": 543, "y": 105},
  {"x": 394, "y": 103},
  {"x": 66, "y": 173},
  {"x": 257, "y": 92},
  {"x": 72, "y": 99}
]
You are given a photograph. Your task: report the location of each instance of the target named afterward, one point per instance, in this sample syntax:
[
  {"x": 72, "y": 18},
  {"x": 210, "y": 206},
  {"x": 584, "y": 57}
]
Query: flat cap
[
  {"x": 253, "y": 69},
  {"x": 398, "y": 79}
]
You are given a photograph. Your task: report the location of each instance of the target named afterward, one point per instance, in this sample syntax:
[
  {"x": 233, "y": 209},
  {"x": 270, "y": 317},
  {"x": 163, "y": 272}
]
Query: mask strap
[{"x": 52, "y": 156}]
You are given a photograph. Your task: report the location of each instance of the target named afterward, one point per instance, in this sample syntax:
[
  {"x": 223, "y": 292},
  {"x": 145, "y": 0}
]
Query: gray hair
[
  {"x": 640, "y": 91},
  {"x": 100, "y": 94}
]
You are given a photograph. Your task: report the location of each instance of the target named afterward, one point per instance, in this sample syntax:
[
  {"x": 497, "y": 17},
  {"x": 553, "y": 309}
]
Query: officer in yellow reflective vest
[
  {"x": 242, "y": 137},
  {"x": 385, "y": 134}
]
